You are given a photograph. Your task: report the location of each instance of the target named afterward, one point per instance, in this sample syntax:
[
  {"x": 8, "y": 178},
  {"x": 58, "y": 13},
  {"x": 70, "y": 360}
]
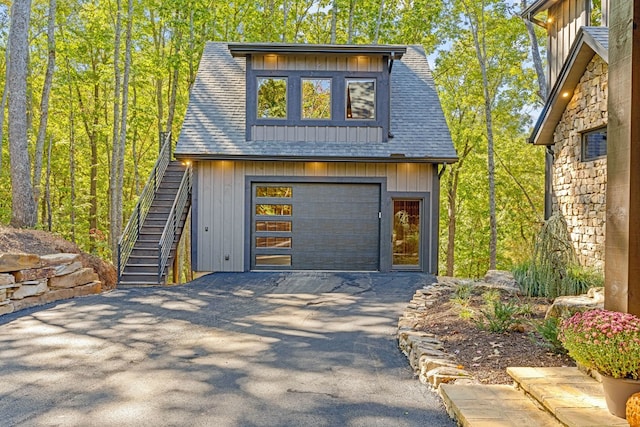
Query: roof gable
[
  {"x": 214, "y": 124},
  {"x": 589, "y": 41}
]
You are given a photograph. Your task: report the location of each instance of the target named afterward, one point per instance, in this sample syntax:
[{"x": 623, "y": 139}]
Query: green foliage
[
  {"x": 499, "y": 316},
  {"x": 607, "y": 341},
  {"x": 549, "y": 329},
  {"x": 554, "y": 269}
]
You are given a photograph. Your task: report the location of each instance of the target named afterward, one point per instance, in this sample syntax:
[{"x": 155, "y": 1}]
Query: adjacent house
[
  {"x": 573, "y": 122},
  {"x": 314, "y": 157}
]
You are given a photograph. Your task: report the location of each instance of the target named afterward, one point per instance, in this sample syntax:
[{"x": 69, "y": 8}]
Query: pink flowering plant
[{"x": 607, "y": 341}]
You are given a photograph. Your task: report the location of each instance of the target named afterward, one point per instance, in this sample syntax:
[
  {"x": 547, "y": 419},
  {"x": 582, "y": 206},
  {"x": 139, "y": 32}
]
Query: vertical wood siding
[
  {"x": 222, "y": 205},
  {"x": 316, "y": 63},
  {"x": 566, "y": 19},
  {"x": 316, "y": 133}
]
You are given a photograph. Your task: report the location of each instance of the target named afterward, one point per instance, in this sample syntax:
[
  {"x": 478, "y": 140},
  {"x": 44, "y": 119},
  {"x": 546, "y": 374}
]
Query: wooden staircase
[{"x": 142, "y": 267}]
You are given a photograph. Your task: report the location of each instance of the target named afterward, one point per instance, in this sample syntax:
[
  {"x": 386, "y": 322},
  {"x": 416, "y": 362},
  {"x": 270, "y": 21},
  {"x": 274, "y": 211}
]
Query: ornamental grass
[{"x": 607, "y": 341}]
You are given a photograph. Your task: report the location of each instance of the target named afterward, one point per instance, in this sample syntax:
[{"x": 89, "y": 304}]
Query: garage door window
[
  {"x": 273, "y": 239},
  {"x": 406, "y": 233}
]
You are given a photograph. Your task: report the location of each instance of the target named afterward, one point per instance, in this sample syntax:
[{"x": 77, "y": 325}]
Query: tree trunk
[
  {"x": 452, "y": 197},
  {"x": 125, "y": 107},
  {"x": 352, "y": 6},
  {"x": 44, "y": 102},
  {"x": 478, "y": 30},
  {"x": 378, "y": 22},
  {"x": 23, "y": 207},
  {"x": 47, "y": 188},
  {"x": 3, "y": 102},
  {"x": 115, "y": 192},
  {"x": 72, "y": 167},
  {"x": 334, "y": 21},
  {"x": 174, "y": 84},
  {"x": 535, "y": 54}
]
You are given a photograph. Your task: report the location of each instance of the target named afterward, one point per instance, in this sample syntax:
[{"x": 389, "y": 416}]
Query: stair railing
[
  {"x": 170, "y": 232},
  {"x": 132, "y": 230}
]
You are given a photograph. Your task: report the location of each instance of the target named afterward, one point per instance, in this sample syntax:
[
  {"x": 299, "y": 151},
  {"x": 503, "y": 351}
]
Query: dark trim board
[{"x": 425, "y": 225}]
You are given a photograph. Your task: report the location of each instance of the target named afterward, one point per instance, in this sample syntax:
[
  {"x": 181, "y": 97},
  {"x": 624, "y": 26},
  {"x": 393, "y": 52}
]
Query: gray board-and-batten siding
[{"x": 222, "y": 204}]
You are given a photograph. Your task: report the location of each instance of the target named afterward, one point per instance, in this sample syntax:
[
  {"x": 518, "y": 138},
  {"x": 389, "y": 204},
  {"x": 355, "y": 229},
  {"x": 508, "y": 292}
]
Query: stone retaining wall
[
  {"x": 580, "y": 187},
  {"x": 28, "y": 280}
]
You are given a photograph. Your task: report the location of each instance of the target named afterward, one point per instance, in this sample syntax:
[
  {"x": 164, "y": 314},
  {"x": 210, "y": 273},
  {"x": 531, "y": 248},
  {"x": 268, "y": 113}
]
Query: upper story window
[
  {"x": 272, "y": 98},
  {"x": 361, "y": 99},
  {"x": 594, "y": 144},
  {"x": 316, "y": 99}
]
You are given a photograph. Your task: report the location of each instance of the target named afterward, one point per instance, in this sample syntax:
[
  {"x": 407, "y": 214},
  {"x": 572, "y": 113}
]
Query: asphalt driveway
[{"x": 243, "y": 349}]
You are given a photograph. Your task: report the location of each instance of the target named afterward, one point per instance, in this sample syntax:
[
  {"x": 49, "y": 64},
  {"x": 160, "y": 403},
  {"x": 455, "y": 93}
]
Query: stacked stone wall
[
  {"x": 580, "y": 187},
  {"x": 28, "y": 280}
]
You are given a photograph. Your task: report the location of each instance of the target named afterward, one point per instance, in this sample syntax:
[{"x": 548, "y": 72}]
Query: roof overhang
[
  {"x": 584, "y": 48},
  {"x": 536, "y": 7},
  {"x": 244, "y": 49},
  {"x": 391, "y": 159}
]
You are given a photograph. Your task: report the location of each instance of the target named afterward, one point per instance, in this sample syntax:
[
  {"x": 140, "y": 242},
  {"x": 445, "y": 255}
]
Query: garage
[{"x": 315, "y": 226}]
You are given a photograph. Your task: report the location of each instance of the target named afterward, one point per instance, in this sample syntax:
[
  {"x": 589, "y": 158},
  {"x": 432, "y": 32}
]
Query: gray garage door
[{"x": 305, "y": 226}]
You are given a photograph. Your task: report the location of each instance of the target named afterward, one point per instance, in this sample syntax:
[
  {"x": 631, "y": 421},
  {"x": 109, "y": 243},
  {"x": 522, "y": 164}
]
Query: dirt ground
[
  {"x": 42, "y": 243},
  {"x": 485, "y": 354}
]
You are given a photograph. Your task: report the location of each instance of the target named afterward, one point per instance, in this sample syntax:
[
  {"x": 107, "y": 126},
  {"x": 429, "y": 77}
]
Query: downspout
[
  {"x": 548, "y": 182},
  {"x": 391, "y": 58}
]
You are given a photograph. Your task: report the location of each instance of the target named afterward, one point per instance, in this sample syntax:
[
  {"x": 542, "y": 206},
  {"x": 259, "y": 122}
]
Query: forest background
[{"x": 105, "y": 77}]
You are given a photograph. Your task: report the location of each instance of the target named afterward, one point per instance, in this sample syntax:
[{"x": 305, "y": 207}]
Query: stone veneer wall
[
  {"x": 28, "y": 280},
  {"x": 579, "y": 187}
]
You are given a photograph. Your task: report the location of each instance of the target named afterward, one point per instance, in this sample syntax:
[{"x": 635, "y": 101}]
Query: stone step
[
  {"x": 573, "y": 397},
  {"x": 477, "y": 405}
]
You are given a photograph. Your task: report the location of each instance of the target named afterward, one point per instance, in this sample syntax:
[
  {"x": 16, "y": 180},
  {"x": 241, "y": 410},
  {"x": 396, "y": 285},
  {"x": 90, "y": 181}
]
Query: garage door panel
[{"x": 334, "y": 226}]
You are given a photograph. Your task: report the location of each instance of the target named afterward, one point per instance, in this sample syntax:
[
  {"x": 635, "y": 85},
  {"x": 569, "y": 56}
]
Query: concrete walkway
[{"x": 254, "y": 349}]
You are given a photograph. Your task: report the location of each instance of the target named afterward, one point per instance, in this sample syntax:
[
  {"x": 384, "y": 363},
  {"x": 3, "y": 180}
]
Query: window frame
[
  {"x": 338, "y": 99},
  {"x": 584, "y": 142}
]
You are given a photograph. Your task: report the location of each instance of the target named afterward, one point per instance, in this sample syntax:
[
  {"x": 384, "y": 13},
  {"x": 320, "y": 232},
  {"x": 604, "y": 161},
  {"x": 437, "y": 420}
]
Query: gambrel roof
[
  {"x": 214, "y": 124},
  {"x": 590, "y": 41}
]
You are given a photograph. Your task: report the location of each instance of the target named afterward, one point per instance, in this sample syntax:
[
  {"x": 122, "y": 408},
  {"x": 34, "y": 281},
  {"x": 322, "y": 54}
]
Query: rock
[
  {"x": 29, "y": 289},
  {"x": 3, "y": 295},
  {"x": 63, "y": 269},
  {"x": 501, "y": 277},
  {"x": 633, "y": 410},
  {"x": 567, "y": 306},
  {"x": 6, "y": 309},
  {"x": 80, "y": 277},
  {"x": 596, "y": 293},
  {"x": 34, "y": 274},
  {"x": 7, "y": 279},
  {"x": 446, "y": 375},
  {"x": 15, "y": 262},
  {"x": 59, "y": 259}
]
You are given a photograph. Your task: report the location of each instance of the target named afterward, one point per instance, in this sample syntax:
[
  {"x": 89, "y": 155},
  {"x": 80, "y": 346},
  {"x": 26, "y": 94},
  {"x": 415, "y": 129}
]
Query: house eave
[
  {"x": 390, "y": 159},
  {"x": 244, "y": 49},
  {"x": 582, "y": 52}
]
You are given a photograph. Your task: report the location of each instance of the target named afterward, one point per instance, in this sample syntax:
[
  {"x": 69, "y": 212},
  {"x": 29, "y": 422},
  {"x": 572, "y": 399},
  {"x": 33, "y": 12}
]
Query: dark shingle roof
[{"x": 214, "y": 124}]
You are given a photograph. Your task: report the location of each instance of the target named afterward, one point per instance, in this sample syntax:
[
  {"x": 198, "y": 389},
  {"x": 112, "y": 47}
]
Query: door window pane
[
  {"x": 273, "y": 226},
  {"x": 264, "y": 191},
  {"x": 406, "y": 232},
  {"x": 267, "y": 209},
  {"x": 361, "y": 99},
  {"x": 272, "y": 98},
  {"x": 273, "y": 260},
  {"x": 316, "y": 98},
  {"x": 273, "y": 242}
]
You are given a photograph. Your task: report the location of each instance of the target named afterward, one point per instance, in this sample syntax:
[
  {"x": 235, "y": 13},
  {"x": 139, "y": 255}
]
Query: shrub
[
  {"x": 554, "y": 269},
  {"x": 549, "y": 330}
]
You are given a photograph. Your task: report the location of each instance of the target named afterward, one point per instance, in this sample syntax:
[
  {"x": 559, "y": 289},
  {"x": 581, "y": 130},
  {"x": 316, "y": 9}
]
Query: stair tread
[
  {"x": 573, "y": 396},
  {"x": 500, "y": 404}
]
